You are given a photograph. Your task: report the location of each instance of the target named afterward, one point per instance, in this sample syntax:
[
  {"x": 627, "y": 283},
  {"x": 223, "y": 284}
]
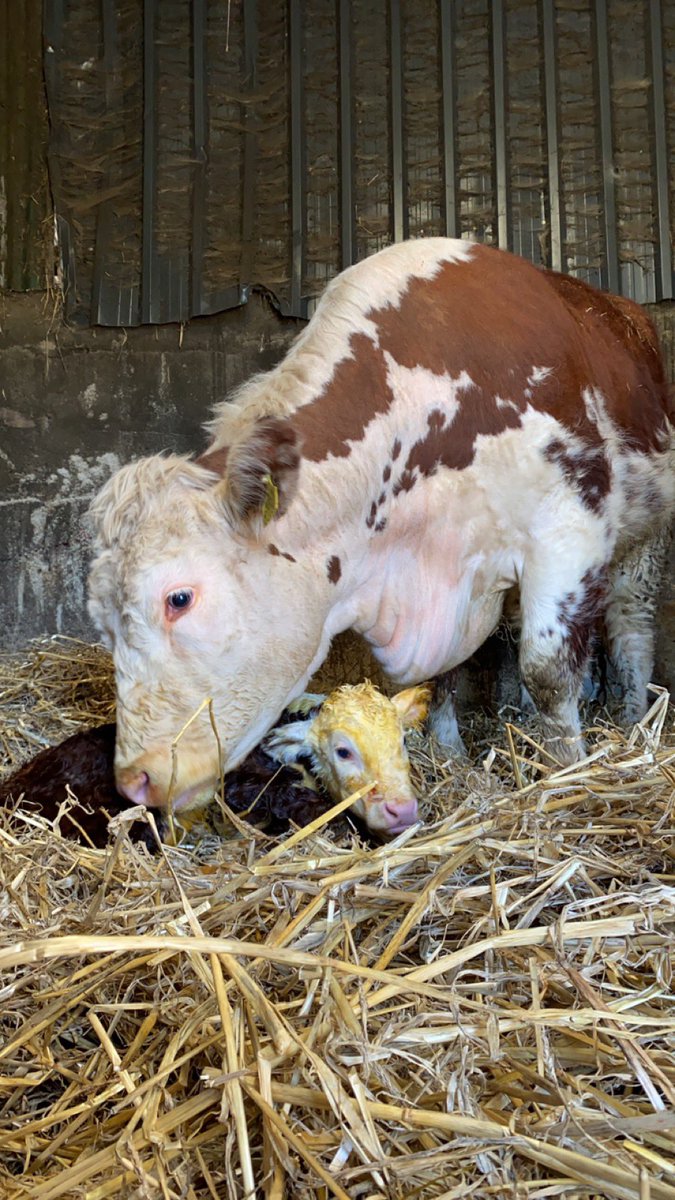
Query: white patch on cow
[
  {"x": 428, "y": 548},
  {"x": 539, "y": 375},
  {"x": 502, "y": 403},
  {"x": 417, "y": 392}
]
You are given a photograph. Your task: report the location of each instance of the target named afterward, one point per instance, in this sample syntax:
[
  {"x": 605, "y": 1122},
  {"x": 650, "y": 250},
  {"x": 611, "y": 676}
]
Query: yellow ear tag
[{"x": 271, "y": 502}]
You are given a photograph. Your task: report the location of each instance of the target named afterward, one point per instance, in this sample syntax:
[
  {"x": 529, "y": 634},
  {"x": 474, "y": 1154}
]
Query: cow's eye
[
  {"x": 343, "y": 752},
  {"x": 178, "y": 601}
]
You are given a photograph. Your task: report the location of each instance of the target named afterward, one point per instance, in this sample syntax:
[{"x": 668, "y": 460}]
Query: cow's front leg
[
  {"x": 557, "y": 628},
  {"x": 442, "y": 720}
]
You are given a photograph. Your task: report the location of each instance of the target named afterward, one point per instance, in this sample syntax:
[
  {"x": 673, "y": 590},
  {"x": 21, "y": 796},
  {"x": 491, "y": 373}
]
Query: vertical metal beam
[
  {"x": 664, "y": 258},
  {"x": 149, "y": 296},
  {"x": 610, "y": 274},
  {"x": 552, "y": 134},
  {"x": 450, "y": 190},
  {"x": 347, "y": 215},
  {"x": 248, "y": 206},
  {"x": 199, "y": 152},
  {"x": 298, "y": 190},
  {"x": 499, "y": 117},
  {"x": 396, "y": 116},
  {"x": 99, "y": 305}
]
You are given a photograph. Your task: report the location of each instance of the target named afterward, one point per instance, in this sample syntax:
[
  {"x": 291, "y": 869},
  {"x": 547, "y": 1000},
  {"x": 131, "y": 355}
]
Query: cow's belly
[{"x": 436, "y": 609}]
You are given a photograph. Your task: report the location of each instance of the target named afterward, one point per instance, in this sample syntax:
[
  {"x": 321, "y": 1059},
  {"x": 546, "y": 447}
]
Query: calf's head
[
  {"x": 358, "y": 738},
  {"x": 201, "y": 618}
]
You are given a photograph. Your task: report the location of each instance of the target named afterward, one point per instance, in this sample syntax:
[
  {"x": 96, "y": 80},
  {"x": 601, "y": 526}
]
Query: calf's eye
[
  {"x": 177, "y": 602},
  {"x": 343, "y": 752}
]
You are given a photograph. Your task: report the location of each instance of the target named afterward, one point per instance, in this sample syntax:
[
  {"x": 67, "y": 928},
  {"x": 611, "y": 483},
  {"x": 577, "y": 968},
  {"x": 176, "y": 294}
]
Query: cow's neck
[{"x": 416, "y": 590}]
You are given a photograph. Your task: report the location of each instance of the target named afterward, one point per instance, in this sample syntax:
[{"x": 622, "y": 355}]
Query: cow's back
[{"x": 524, "y": 337}]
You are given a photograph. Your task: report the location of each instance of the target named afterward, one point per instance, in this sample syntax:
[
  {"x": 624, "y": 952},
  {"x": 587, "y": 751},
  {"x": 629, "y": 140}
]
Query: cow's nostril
[{"x": 135, "y": 786}]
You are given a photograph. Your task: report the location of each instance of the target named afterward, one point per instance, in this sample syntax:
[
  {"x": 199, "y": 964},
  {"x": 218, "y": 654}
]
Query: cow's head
[
  {"x": 211, "y": 633},
  {"x": 357, "y": 738}
]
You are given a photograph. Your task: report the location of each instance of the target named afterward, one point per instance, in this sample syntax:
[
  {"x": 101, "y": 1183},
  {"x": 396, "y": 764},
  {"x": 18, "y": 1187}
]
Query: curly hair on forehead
[{"x": 137, "y": 491}]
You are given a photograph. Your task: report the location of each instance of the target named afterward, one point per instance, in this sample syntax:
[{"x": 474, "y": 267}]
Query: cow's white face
[{"x": 211, "y": 634}]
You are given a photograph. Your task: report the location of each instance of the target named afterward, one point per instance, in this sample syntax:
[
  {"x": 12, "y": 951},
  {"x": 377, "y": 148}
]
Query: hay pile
[{"x": 482, "y": 1008}]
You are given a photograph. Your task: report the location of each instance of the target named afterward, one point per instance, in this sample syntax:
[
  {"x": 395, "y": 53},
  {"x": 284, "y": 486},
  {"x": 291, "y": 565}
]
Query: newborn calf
[
  {"x": 354, "y": 737},
  {"x": 351, "y": 738},
  {"x": 84, "y": 762}
]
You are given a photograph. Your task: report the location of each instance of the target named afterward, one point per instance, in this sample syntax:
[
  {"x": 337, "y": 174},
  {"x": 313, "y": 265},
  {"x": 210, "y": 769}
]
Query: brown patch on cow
[
  {"x": 579, "y": 613},
  {"x": 272, "y": 549},
  {"x": 454, "y": 445},
  {"x": 631, "y": 371},
  {"x": 504, "y": 326},
  {"x": 381, "y": 525},
  {"x": 386, "y": 474},
  {"x": 406, "y": 480},
  {"x": 587, "y": 471},
  {"x": 214, "y": 460},
  {"x": 357, "y": 393},
  {"x": 334, "y": 569},
  {"x": 496, "y": 317},
  {"x": 372, "y": 515}
]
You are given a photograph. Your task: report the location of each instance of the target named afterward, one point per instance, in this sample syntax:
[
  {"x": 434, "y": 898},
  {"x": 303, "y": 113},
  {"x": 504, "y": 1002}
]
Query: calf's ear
[
  {"x": 259, "y": 472},
  {"x": 413, "y": 704}
]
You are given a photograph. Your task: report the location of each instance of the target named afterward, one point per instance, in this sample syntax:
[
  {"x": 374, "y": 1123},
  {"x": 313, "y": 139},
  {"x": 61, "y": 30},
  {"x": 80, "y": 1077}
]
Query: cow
[{"x": 455, "y": 429}]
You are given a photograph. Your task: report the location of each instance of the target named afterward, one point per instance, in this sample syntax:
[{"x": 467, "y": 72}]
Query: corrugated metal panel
[
  {"x": 25, "y": 230},
  {"x": 200, "y": 149}
]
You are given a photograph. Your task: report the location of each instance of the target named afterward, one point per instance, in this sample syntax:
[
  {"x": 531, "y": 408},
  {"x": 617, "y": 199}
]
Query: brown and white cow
[{"x": 453, "y": 425}]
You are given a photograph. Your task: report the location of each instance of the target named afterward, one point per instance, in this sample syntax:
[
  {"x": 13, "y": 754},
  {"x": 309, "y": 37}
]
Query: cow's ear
[{"x": 259, "y": 473}]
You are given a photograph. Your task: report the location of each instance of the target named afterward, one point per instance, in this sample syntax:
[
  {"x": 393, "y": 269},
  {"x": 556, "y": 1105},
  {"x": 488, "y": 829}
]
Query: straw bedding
[{"x": 481, "y": 1008}]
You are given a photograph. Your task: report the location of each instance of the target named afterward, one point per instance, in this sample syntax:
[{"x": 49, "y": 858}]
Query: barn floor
[{"x": 482, "y": 1008}]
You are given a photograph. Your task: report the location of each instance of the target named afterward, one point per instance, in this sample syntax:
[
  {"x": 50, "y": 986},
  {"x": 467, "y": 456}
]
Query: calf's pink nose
[
  {"x": 400, "y": 813},
  {"x": 135, "y": 785}
]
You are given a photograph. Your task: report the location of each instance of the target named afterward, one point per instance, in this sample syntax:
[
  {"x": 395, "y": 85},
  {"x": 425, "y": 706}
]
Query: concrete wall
[{"x": 75, "y": 404}]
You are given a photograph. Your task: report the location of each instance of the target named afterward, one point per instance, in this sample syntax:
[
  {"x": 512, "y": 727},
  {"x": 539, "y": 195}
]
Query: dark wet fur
[
  {"x": 284, "y": 801},
  {"x": 85, "y": 762}
]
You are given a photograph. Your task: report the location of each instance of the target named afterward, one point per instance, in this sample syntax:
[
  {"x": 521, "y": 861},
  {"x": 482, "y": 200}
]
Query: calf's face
[{"x": 357, "y": 739}]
